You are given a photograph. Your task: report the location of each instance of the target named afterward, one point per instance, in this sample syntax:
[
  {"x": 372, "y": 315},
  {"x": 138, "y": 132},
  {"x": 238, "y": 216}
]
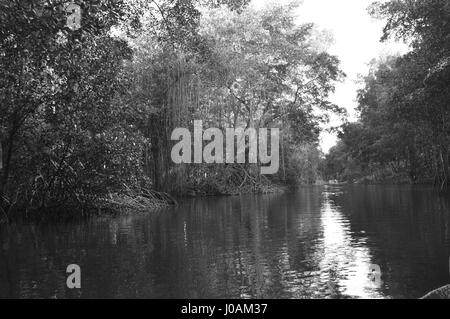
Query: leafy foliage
[
  {"x": 403, "y": 132},
  {"x": 87, "y": 114}
]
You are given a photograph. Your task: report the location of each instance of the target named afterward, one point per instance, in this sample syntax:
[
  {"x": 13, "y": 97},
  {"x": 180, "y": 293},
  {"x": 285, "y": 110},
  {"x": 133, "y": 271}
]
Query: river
[{"x": 316, "y": 242}]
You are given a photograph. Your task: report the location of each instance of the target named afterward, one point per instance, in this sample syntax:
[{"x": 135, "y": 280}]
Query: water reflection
[
  {"x": 314, "y": 243},
  {"x": 345, "y": 255}
]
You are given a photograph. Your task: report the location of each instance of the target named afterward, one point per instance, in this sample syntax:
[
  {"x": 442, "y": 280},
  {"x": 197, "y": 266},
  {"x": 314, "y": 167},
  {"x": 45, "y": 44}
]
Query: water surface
[{"x": 317, "y": 242}]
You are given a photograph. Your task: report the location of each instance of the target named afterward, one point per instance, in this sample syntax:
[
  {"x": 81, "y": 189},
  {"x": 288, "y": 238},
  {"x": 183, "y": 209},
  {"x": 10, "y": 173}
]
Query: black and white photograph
[{"x": 224, "y": 155}]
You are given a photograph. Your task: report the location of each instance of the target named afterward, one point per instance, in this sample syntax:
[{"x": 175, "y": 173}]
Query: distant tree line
[{"x": 403, "y": 134}]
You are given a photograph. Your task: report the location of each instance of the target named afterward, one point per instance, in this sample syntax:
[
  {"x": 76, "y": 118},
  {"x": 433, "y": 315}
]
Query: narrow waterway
[{"x": 317, "y": 242}]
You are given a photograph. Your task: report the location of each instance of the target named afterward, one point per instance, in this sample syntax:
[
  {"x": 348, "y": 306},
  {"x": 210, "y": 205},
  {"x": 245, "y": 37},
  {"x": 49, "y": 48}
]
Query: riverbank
[
  {"x": 386, "y": 180},
  {"x": 258, "y": 189},
  {"x": 130, "y": 202}
]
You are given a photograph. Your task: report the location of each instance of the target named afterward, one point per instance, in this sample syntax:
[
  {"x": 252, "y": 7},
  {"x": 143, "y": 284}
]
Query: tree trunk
[
  {"x": 283, "y": 160},
  {"x": 1, "y": 172},
  {"x": 157, "y": 169},
  {"x": 4, "y": 176},
  {"x": 1, "y": 156}
]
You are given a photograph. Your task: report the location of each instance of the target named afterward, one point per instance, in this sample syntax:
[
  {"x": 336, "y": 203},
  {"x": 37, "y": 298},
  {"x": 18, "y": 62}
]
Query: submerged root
[
  {"x": 231, "y": 180},
  {"x": 141, "y": 200}
]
